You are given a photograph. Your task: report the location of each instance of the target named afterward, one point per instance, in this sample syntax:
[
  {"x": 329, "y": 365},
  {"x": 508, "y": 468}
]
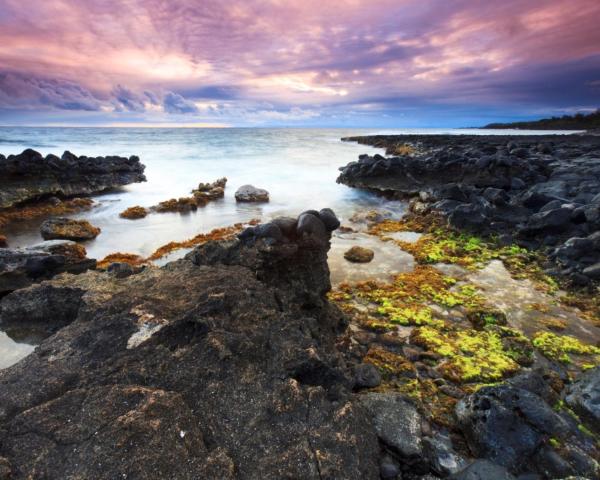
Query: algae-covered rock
[
  {"x": 358, "y": 254},
  {"x": 68, "y": 229}
]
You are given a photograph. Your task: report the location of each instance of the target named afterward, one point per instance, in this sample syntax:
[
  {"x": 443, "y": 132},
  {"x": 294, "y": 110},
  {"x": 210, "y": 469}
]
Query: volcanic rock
[{"x": 30, "y": 176}]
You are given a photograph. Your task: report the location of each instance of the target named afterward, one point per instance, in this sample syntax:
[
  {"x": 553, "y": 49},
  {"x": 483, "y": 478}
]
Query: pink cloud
[{"x": 297, "y": 54}]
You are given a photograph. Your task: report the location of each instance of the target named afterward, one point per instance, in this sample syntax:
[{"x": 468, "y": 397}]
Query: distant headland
[{"x": 579, "y": 121}]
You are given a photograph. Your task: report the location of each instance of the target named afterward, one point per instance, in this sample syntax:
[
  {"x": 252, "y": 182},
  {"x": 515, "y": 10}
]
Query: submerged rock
[
  {"x": 68, "y": 229},
  {"x": 249, "y": 193},
  {"x": 219, "y": 365},
  {"x": 30, "y": 176},
  {"x": 358, "y": 254}
]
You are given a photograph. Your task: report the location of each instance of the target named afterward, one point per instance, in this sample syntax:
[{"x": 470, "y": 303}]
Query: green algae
[
  {"x": 558, "y": 347},
  {"x": 470, "y": 355}
]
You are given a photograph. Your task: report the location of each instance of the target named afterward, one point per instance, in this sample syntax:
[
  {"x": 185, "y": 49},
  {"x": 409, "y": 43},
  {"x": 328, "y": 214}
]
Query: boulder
[
  {"x": 512, "y": 427},
  {"x": 30, "y": 176},
  {"x": 358, "y": 254},
  {"x": 397, "y": 422},
  {"x": 68, "y": 229},
  {"x": 249, "y": 193},
  {"x": 549, "y": 221}
]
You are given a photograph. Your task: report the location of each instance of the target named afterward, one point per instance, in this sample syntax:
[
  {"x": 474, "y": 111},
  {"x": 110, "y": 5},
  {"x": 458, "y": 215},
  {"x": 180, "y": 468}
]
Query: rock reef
[
  {"x": 30, "y": 176},
  {"x": 540, "y": 191}
]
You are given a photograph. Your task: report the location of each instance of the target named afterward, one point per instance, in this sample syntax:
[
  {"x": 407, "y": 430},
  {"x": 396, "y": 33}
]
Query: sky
[{"x": 305, "y": 63}]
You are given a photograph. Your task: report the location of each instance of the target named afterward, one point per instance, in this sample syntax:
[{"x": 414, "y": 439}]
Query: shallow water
[{"x": 297, "y": 166}]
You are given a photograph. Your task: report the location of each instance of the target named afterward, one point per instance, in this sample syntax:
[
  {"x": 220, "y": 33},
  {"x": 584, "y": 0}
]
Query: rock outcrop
[
  {"x": 68, "y": 229},
  {"x": 30, "y": 176},
  {"x": 249, "y": 193},
  {"x": 218, "y": 365},
  {"x": 541, "y": 191},
  {"x": 20, "y": 267}
]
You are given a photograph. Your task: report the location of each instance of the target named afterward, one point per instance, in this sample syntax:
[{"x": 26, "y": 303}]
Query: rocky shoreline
[
  {"x": 29, "y": 176},
  {"x": 541, "y": 192},
  {"x": 241, "y": 361}
]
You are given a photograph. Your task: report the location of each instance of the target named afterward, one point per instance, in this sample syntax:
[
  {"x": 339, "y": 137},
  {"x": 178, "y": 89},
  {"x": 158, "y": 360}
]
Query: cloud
[
  {"x": 175, "y": 103},
  {"x": 17, "y": 90},
  {"x": 161, "y": 58}
]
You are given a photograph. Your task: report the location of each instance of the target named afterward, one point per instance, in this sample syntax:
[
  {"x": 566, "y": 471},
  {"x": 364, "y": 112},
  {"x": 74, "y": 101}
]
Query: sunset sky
[{"x": 375, "y": 63}]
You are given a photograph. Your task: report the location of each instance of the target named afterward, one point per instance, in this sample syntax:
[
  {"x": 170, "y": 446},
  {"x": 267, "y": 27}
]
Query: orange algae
[
  {"x": 134, "y": 213},
  {"x": 223, "y": 233},
  {"x": 43, "y": 208}
]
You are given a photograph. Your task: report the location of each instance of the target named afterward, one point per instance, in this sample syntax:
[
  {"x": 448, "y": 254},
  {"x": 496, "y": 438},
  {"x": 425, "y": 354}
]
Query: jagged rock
[
  {"x": 583, "y": 396},
  {"x": 481, "y": 185},
  {"x": 359, "y": 254},
  {"x": 397, "y": 422},
  {"x": 29, "y": 176},
  {"x": 512, "y": 426},
  {"x": 219, "y": 365},
  {"x": 440, "y": 455},
  {"x": 68, "y": 229},
  {"x": 249, "y": 193},
  {"x": 20, "y": 267}
]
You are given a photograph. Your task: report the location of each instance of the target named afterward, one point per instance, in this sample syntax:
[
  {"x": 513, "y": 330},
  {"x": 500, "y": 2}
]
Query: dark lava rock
[
  {"x": 44, "y": 308},
  {"x": 549, "y": 221},
  {"x": 20, "y": 267},
  {"x": 397, "y": 422},
  {"x": 366, "y": 376},
  {"x": 511, "y": 427},
  {"x": 219, "y": 365},
  {"x": 583, "y": 396},
  {"x": 68, "y": 229},
  {"x": 29, "y": 176},
  {"x": 481, "y": 185},
  {"x": 483, "y": 470}
]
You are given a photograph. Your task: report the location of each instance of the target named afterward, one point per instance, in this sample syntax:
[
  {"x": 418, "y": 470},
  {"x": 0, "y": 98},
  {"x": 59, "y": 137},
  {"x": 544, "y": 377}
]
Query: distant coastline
[{"x": 579, "y": 121}]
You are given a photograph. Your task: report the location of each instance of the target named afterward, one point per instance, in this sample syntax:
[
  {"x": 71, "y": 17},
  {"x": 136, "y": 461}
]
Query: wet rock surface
[
  {"x": 543, "y": 190},
  {"x": 219, "y": 365},
  {"x": 518, "y": 430},
  {"x": 30, "y": 176},
  {"x": 20, "y": 267}
]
